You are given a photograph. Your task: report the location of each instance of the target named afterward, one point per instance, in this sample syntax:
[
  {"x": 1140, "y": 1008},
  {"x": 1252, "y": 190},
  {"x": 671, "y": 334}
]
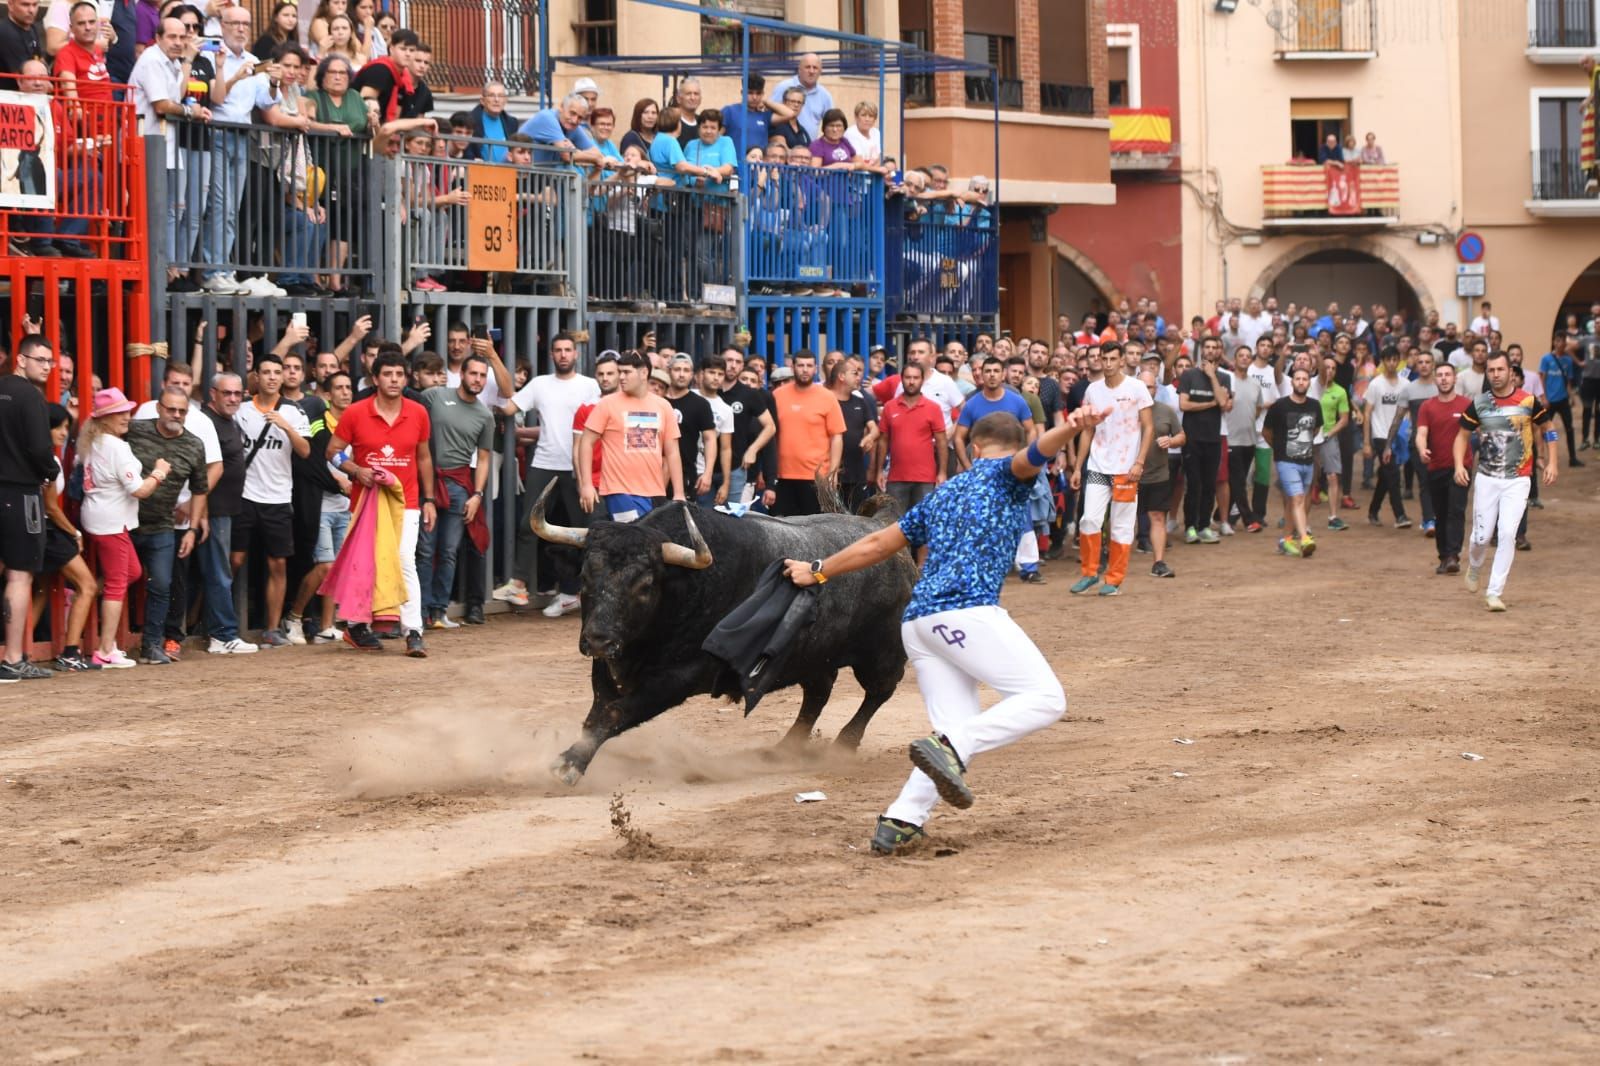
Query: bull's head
[{"x": 624, "y": 567}]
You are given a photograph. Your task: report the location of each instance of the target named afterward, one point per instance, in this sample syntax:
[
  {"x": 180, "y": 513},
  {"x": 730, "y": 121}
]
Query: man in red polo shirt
[
  {"x": 914, "y": 438},
  {"x": 389, "y": 431},
  {"x": 81, "y": 63}
]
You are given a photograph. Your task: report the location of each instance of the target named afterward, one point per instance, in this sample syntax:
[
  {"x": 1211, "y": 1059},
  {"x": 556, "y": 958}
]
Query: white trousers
[
  {"x": 952, "y": 652},
  {"x": 1498, "y": 504},
  {"x": 1124, "y": 516},
  {"x": 1028, "y": 549},
  {"x": 411, "y": 610}
]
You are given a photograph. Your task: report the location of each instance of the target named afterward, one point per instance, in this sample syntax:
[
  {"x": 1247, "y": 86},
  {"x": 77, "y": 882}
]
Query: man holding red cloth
[{"x": 390, "y": 433}]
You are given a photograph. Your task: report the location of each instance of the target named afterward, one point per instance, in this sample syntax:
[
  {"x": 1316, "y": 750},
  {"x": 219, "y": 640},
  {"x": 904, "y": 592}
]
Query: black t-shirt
[
  {"x": 747, "y": 405},
  {"x": 687, "y": 130},
  {"x": 378, "y": 77},
  {"x": 694, "y": 418},
  {"x": 1293, "y": 427},
  {"x": 196, "y": 135},
  {"x": 226, "y": 498},
  {"x": 1204, "y": 426},
  {"x": 419, "y": 104},
  {"x": 17, "y": 46},
  {"x": 794, "y": 136},
  {"x": 1049, "y": 399},
  {"x": 859, "y": 409},
  {"x": 1076, "y": 393}
]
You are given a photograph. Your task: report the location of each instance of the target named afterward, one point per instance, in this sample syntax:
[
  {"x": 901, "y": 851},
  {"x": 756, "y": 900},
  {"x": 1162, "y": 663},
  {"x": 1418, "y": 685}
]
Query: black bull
[{"x": 649, "y": 602}]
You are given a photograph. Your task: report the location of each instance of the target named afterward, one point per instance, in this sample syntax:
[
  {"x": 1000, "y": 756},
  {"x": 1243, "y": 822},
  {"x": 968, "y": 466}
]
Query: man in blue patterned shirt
[{"x": 955, "y": 632}]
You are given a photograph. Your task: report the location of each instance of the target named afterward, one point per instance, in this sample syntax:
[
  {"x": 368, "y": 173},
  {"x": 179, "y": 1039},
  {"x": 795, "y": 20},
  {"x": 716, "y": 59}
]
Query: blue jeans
[
  {"x": 222, "y": 622},
  {"x": 230, "y": 157},
  {"x": 157, "y": 554},
  {"x": 188, "y": 191},
  {"x": 437, "y": 551},
  {"x": 307, "y": 239}
]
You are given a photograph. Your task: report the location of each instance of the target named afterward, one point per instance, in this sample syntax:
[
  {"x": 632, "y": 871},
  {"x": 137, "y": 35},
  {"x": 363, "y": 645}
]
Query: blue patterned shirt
[{"x": 970, "y": 525}]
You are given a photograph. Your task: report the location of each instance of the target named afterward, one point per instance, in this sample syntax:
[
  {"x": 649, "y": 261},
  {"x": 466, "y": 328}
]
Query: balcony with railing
[
  {"x": 1560, "y": 186},
  {"x": 1560, "y": 31},
  {"x": 1311, "y": 197},
  {"x": 981, "y": 90},
  {"x": 1057, "y": 99},
  {"x": 478, "y": 41},
  {"x": 1324, "y": 29}
]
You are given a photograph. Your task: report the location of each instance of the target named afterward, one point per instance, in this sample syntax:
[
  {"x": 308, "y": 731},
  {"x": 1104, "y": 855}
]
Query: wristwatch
[
  {"x": 478, "y": 495},
  {"x": 816, "y": 572}
]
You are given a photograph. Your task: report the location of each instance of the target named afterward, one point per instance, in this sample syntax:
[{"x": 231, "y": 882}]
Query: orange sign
[{"x": 492, "y": 218}]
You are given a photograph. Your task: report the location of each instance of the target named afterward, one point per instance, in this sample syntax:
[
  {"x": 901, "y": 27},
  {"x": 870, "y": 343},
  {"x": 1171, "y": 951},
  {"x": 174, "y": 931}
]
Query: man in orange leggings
[{"x": 1115, "y": 460}]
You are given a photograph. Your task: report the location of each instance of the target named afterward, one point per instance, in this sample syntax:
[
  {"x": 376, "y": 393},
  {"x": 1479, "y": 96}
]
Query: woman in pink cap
[{"x": 113, "y": 485}]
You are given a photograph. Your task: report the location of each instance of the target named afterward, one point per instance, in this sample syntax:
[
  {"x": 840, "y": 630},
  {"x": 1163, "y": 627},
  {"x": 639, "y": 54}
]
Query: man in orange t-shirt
[
  {"x": 810, "y": 438},
  {"x": 637, "y": 434}
]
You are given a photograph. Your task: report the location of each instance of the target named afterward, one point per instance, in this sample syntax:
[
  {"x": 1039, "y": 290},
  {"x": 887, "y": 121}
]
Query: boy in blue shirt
[
  {"x": 955, "y": 632},
  {"x": 714, "y": 151}
]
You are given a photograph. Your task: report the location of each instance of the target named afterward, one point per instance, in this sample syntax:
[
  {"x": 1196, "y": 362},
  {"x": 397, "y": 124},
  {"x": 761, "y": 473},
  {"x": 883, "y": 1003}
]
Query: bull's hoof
[{"x": 568, "y": 773}]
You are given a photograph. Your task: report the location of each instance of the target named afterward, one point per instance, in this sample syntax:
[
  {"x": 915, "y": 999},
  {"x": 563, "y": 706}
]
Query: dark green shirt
[{"x": 187, "y": 457}]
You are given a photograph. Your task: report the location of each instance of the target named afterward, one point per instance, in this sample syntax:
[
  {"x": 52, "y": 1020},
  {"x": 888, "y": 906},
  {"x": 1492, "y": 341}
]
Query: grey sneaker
[
  {"x": 892, "y": 835},
  {"x": 154, "y": 656},
  {"x": 273, "y": 638},
  {"x": 1209, "y": 536},
  {"x": 23, "y": 670},
  {"x": 939, "y": 761}
]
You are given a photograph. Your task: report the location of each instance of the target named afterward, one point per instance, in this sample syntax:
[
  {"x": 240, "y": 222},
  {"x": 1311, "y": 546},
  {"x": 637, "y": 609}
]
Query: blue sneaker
[
  {"x": 1428, "y": 529},
  {"x": 1084, "y": 584},
  {"x": 1110, "y": 590},
  {"x": 1337, "y": 523}
]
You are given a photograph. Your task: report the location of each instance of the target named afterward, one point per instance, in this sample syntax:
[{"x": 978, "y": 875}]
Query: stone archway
[
  {"x": 1090, "y": 270},
  {"x": 1360, "y": 245}
]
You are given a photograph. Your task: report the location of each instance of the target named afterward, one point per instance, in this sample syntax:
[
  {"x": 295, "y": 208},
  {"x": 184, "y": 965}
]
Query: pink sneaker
[
  {"x": 115, "y": 661},
  {"x": 428, "y": 285}
]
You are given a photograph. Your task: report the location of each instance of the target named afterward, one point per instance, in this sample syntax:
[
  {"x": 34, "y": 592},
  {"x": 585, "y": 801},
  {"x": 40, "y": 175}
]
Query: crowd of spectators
[
  {"x": 155, "y": 510},
  {"x": 268, "y": 193}
]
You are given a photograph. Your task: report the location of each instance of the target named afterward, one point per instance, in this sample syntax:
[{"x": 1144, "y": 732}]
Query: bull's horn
[
  {"x": 677, "y": 555},
  {"x": 555, "y": 534}
]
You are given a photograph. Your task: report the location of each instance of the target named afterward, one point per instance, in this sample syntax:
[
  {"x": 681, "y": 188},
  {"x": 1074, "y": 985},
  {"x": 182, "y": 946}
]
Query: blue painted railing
[
  {"x": 943, "y": 263},
  {"x": 808, "y": 227}
]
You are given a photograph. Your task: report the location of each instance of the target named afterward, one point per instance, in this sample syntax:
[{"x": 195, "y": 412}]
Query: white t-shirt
[
  {"x": 1168, "y": 395},
  {"x": 1115, "y": 447},
  {"x": 556, "y": 402},
  {"x": 270, "y": 476},
  {"x": 155, "y": 79},
  {"x": 942, "y": 389},
  {"x": 110, "y": 474},
  {"x": 1388, "y": 401},
  {"x": 869, "y": 148},
  {"x": 1481, "y": 325},
  {"x": 1252, "y": 329},
  {"x": 721, "y": 417}
]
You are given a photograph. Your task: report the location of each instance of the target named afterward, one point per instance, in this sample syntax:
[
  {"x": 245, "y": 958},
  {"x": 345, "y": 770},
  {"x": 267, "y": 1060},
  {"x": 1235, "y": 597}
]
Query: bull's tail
[{"x": 828, "y": 498}]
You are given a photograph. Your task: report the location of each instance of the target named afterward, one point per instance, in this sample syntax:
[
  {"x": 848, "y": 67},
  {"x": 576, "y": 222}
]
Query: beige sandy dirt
[{"x": 312, "y": 856}]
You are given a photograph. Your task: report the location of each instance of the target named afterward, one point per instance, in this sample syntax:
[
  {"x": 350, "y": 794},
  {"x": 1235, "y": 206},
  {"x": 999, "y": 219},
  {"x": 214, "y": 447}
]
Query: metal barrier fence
[
  {"x": 943, "y": 264},
  {"x": 806, "y": 225},
  {"x": 429, "y": 219},
  {"x": 782, "y": 325},
  {"x": 83, "y": 159},
  {"x": 659, "y": 244},
  {"x": 292, "y": 207}
]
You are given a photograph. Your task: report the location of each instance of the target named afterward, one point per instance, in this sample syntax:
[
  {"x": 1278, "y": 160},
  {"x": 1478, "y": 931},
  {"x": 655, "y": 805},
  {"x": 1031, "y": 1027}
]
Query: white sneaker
[
  {"x": 561, "y": 605},
  {"x": 222, "y": 284},
  {"x": 446, "y": 622},
  {"x": 328, "y": 636},
  {"x": 1227, "y": 530},
  {"x": 261, "y": 286},
  {"x": 1172, "y": 525},
  {"x": 511, "y": 592},
  {"x": 295, "y": 629},
  {"x": 231, "y": 647}
]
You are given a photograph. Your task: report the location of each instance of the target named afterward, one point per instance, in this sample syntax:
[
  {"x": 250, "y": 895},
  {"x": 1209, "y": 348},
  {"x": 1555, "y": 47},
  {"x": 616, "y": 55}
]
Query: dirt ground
[{"x": 266, "y": 861}]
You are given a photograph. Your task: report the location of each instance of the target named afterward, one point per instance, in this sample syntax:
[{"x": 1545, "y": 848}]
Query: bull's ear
[{"x": 677, "y": 555}]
